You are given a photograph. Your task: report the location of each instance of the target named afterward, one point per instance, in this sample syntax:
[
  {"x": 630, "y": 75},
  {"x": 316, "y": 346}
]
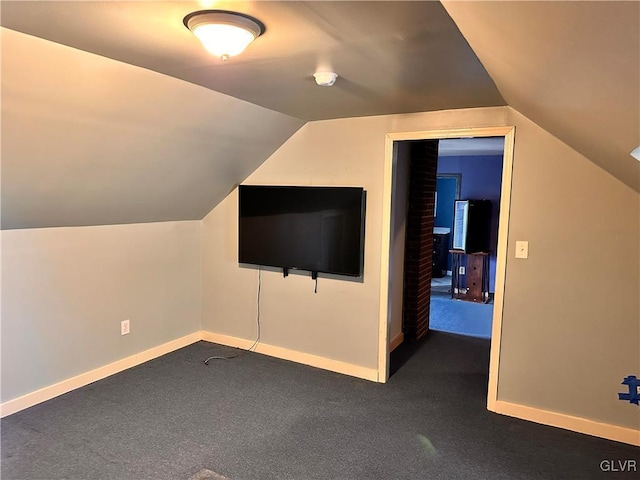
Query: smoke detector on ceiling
[{"x": 325, "y": 79}]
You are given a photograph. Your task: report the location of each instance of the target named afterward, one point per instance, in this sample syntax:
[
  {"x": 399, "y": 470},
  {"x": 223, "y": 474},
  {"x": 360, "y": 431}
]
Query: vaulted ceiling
[
  {"x": 572, "y": 67},
  {"x": 112, "y": 112}
]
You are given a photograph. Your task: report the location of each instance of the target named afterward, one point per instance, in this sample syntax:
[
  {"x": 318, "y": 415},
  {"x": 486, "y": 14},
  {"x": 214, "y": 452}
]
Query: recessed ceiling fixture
[
  {"x": 224, "y": 33},
  {"x": 325, "y": 79},
  {"x": 635, "y": 153}
]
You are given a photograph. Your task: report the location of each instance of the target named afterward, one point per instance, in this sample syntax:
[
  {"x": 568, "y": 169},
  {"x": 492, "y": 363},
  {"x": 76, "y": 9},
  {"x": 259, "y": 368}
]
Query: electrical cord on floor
[{"x": 250, "y": 349}]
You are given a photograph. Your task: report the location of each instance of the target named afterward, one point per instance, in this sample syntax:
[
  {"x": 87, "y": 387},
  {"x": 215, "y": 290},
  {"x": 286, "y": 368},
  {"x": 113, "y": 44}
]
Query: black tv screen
[{"x": 319, "y": 229}]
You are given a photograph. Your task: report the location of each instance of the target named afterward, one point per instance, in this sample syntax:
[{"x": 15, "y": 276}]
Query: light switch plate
[{"x": 522, "y": 249}]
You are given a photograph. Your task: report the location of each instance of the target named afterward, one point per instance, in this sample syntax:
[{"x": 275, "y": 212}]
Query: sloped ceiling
[
  {"x": 134, "y": 124},
  {"x": 91, "y": 141},
  {"x": 571, "y": 67},
  {"x": 391, "y": 57},
  {"x": 93, "y": 135}
]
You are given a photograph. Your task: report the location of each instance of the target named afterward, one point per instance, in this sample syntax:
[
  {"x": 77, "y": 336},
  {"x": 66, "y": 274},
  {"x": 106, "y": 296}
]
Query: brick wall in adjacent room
[{"x": 419, "y": 238}]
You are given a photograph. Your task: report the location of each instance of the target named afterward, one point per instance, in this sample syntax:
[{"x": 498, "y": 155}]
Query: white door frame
[{"x": 508, "y": 132}]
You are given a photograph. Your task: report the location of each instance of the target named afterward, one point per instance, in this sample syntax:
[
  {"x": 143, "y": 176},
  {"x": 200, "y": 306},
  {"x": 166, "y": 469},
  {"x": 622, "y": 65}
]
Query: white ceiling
[
  {"x": 391, "y": 57},
  {"x": 90, "y": 141},
  {"x": 137, "y": 123},
  {"x": 465, "y": 147},
  {"x": 572, "y": 67}
]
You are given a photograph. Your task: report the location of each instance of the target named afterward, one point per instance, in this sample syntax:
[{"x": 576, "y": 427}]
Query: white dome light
[{"x": 224, "y": 34}]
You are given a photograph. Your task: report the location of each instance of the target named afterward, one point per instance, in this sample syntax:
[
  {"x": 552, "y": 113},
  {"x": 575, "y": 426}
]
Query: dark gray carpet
[{"x": 256, "y": 417}]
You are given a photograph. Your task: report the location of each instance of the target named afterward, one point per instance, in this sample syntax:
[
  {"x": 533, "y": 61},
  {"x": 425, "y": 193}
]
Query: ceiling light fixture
[
  {"x": 325, "y": 79},
  {"x": 224, "y": 33},
  {"x": 635, "y": 153}
]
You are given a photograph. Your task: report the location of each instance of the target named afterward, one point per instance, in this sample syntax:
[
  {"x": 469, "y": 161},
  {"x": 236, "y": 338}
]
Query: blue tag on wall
[{"x": 634, "y": 390}]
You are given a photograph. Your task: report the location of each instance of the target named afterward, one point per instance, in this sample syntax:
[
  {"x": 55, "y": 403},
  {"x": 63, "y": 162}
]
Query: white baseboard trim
[
  {"x": 294, "y": 356},
  {"x": 47, "y": 393},
  {"x": 545, "y": 417},
  {"x": 396, "y": 342},
  {"x": 568, "y": 422}
]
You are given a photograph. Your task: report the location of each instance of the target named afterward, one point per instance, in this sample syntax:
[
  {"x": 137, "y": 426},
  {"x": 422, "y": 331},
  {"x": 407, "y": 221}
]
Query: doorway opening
[
  {"x": 420, "y": 211},
  {"x": 469, "y": 170}
]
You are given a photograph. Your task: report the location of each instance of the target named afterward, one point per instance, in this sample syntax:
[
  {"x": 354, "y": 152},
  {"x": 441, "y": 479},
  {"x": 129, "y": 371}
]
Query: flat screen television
[{"x": 318, "y": 229}]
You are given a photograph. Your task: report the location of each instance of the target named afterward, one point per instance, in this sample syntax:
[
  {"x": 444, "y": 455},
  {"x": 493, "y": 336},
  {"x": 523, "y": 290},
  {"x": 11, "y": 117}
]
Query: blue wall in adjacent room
[{"x": 481, "y": 179}]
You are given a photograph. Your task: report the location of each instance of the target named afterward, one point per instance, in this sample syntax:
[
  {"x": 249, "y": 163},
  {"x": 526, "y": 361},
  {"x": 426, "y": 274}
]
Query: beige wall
[
  {"x": 571, "y": 322},
  {"x": 340, "y": 322},
  {"x": 65, "y": 291},
  {"x": 399, "y": 205},
  {"x": 571, "y": 319}
]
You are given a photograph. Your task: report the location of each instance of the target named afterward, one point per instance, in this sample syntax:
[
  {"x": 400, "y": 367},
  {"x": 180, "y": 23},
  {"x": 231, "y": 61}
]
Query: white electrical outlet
[
  {"x": 462, "y": 270},
  {"x": 522, "y": 249},
  {"x": 124, "y": 327}
]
